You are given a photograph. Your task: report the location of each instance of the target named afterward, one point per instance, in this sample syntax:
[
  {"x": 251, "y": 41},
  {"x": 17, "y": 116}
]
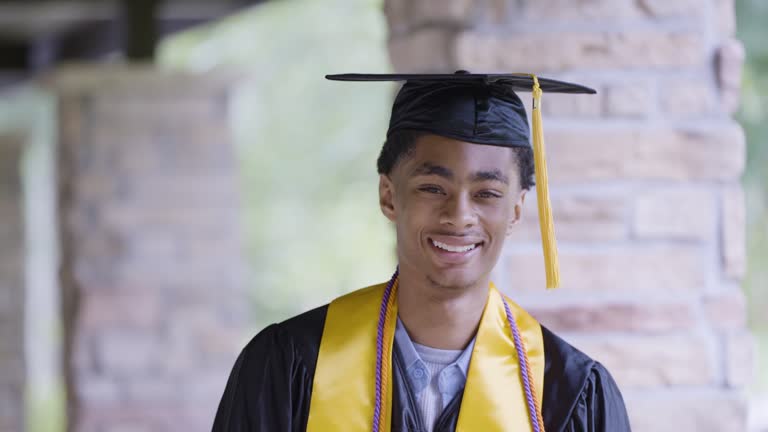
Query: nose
[{"x": 458, "y": 212}]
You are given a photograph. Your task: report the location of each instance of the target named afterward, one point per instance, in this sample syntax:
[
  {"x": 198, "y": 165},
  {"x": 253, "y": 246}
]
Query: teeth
[{"x": 450, "y": 248}]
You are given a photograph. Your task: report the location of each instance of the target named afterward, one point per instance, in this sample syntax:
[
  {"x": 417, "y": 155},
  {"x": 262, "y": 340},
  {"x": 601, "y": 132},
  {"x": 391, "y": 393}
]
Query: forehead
[{"x": 459, "y": 156}]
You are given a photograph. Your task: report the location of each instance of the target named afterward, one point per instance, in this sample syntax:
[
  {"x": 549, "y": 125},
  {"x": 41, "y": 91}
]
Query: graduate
[{"x": 438, "y": 347}]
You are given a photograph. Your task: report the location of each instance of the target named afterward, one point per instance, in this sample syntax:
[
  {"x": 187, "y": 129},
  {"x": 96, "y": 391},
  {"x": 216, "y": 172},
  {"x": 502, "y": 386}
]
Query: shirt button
[{"x": 419, "y": 373}]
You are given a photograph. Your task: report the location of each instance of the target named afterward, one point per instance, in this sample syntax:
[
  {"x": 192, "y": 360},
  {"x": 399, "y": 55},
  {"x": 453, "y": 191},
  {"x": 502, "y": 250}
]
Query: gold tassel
[{"x": 546, "y": 222}]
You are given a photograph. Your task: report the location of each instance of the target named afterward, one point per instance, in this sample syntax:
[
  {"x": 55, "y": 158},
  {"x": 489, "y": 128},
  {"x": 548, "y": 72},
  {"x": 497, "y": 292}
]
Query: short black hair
[{"x": 402, "y": 142}]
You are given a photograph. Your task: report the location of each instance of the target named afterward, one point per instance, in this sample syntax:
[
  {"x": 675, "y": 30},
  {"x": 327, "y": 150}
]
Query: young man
[{"x": 437, "y": 348}]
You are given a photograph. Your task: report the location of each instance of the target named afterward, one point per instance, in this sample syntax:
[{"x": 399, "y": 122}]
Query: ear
[
  {"x": 517, "y": 212},
  {"x": 387, "y": 196}
]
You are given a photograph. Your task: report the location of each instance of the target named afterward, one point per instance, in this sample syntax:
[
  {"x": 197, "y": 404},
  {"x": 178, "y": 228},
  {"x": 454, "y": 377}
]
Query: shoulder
[
  {"x": 577, "y": 387},
  {"x": 297, "y": 338},
  {"x": 275, "y": 369},
  {"x": 305, "y": 328},
  {"x": 563, "y": 359}
]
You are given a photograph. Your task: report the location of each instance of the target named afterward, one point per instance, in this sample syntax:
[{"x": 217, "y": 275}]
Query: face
[{"x": 453, "y": 203}]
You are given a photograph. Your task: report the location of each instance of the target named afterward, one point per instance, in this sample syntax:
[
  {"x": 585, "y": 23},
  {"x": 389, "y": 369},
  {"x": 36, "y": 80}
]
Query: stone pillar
[
  {"x": 151, "y": 257},
  {"x": 12, "y": 369},
  {"x": 645, "y": 181}
]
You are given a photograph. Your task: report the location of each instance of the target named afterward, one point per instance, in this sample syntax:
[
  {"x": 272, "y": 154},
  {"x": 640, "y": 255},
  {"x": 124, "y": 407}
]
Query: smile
[
  {"x": 454, "y": 248},
  {"x": 450, "y": 248}
]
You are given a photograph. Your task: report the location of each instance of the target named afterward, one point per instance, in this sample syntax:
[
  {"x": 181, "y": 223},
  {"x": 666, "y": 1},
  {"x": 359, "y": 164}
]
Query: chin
[{"x": 456, "y": 279}]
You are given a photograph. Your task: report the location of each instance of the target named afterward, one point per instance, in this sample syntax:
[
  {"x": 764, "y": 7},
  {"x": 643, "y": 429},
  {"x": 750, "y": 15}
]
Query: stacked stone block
[
  {"x": 645, "y": 184},
  {"x": 152, "y": 271},
  {"x": 12, "y": 369}
]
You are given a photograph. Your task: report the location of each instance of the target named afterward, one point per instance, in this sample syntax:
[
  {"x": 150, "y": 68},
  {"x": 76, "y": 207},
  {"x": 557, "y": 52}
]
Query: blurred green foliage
[
  {"x": 30, "y": 111},
  {"x": 752, "y": 29},
  {"x": 314, "y": 229},
  {"x": 46, "y": 412}
]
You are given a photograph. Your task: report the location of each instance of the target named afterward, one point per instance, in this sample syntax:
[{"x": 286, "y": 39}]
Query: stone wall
[
  {"x": 645, "y": 183},
  {"x": 12, "y": 369},
  {"x": 152, "y": 272}
]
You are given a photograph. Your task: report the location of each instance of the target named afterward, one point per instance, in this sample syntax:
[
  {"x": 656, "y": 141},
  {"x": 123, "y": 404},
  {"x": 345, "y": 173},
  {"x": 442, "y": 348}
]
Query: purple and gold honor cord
[
  {"x": 525, "y": 371},
  {"x": 383, "y": 361}
]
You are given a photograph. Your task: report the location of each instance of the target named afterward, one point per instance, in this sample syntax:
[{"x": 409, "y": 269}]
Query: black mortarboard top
[{"x": 481, "y": 109}]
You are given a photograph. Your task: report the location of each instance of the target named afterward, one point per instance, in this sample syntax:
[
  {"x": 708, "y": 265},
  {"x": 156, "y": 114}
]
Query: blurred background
[
  {"x": 752, "y": 16},
  {"x": 175, "y": 175}
]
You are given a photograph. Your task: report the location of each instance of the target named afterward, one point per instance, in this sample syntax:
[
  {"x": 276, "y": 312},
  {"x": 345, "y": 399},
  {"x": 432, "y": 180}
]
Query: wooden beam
[
  {"x": 13, "y": 54},
  {"x": 37, "y": 35},
  {"x": 140, "y": 29}
]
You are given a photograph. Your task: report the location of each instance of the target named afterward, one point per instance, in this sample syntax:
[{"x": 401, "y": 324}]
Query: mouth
[{"x": 454, "y": 250}]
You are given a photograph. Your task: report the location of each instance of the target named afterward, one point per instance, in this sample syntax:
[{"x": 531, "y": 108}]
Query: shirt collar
[{"x": 412, "y": 361}]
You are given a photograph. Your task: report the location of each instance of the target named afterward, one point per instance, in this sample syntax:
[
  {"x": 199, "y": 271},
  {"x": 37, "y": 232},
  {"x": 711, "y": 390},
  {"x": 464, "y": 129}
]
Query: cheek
[
  {"x": 411, "y": 215},
  {"x": 497, "y": 219},
  {"x": 415, "y": 207},
  {"x": 417, "y": 216}
]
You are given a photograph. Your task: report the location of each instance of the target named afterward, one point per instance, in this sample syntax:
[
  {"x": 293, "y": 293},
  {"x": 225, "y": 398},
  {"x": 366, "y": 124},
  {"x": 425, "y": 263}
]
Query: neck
[{"x": 440, "y": 317}]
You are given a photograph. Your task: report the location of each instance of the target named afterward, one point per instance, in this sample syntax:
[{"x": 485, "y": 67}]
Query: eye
[
  {"x": 432, "y": 189},
  {"x": 488, "y": 194}
]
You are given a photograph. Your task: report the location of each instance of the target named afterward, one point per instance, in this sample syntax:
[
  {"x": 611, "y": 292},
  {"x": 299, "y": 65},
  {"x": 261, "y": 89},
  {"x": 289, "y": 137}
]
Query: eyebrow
[
  {"x": 493, "y": 175},
  {"x": 428, "y": 168}
]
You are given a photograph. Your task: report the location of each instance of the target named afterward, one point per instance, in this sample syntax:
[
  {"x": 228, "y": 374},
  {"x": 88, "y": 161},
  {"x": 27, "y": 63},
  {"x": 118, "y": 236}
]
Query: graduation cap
[{"x": 481, "y": 109}]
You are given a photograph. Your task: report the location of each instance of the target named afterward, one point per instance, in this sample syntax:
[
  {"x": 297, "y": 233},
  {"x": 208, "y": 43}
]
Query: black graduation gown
[{"x": 271, "y": 382}]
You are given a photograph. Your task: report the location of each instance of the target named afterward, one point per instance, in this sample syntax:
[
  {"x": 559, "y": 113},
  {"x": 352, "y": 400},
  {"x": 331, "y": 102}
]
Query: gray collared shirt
[{"x": 449, "y": 381}]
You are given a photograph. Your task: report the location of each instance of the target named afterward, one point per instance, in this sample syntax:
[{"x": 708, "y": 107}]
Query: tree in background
[
  {"x": 308, "y": 163},
  {"x": 752, "y": 30}
]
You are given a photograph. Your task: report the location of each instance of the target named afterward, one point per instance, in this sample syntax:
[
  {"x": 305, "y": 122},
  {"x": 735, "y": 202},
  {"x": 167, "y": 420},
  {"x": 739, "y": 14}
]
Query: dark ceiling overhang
[{"x": 35, "y": 35}]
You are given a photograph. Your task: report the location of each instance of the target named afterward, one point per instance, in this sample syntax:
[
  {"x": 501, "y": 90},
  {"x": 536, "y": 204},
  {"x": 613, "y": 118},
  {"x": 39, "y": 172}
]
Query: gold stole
[{"x": 494, "y": 399}]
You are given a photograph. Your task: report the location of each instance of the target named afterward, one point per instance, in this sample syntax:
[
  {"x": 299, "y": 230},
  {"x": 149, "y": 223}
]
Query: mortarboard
[{"x": 481, "y": 109}]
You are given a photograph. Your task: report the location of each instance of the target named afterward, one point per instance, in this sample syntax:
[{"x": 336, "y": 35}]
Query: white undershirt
[{"x": 432, "y": 401}]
